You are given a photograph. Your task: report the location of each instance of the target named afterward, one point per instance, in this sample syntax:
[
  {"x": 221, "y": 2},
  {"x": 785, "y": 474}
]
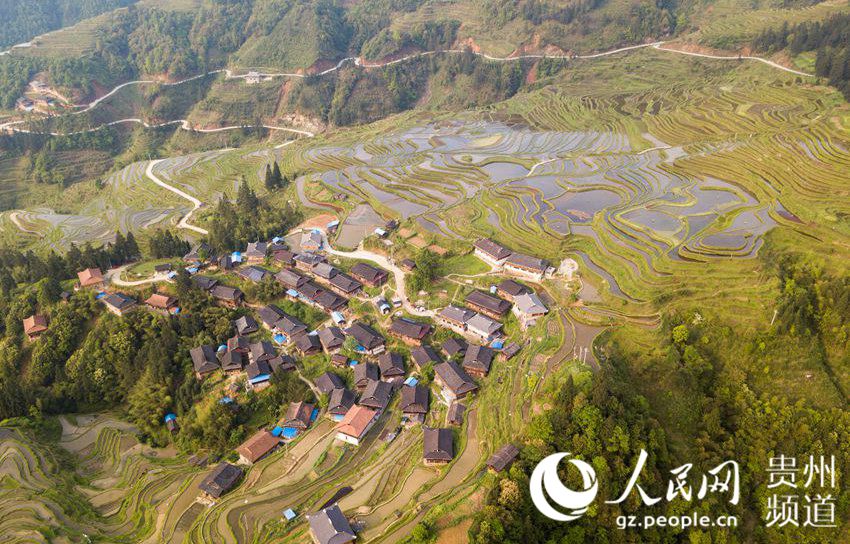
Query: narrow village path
[
  {"x": 114, "y": 276},
  {"x": 383, "y": 262}
]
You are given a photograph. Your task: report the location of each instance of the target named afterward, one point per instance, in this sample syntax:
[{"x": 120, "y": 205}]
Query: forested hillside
[
  {"x": 828, "y": 40},
  {"x": 24, "y": 20}
]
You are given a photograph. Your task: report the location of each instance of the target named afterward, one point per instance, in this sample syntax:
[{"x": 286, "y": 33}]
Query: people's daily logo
[
  {"x": 546, "y": 481},
  {"x": 804, "y": 494}
]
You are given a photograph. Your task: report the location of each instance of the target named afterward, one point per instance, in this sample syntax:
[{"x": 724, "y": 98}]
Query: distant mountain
[{"x": 26, "y": 19}]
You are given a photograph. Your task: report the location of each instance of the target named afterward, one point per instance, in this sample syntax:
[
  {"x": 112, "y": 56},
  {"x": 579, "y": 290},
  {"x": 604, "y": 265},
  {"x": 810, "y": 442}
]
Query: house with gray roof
[
  {"x": 204, "y": 360},
  {"x": 438, "y": 446},
  {"x": 330, "y": 526}
]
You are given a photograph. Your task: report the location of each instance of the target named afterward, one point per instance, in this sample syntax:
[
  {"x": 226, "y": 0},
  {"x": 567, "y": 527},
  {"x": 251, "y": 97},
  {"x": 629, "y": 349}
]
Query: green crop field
[{"x": 664, "y": 177}]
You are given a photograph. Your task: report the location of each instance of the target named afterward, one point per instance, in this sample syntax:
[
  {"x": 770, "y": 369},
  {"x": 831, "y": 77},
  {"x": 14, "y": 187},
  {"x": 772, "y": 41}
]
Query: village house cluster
[{"x": 377, "y": 376}]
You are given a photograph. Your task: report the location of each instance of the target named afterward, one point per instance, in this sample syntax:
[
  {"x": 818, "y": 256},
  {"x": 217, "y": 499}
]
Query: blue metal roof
[
  {"x": 289, "y": 514},
  {"x": 170, "y": 417}
]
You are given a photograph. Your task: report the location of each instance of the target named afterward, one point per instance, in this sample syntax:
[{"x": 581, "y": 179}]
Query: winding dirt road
[
  {"x": 184, "y": 221},
  {"x": 358, "y": 61}
]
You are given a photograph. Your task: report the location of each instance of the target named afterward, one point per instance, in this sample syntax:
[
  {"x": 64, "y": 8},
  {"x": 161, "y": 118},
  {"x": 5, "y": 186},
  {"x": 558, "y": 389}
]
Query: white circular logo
[{"x": 545, "y": 476}]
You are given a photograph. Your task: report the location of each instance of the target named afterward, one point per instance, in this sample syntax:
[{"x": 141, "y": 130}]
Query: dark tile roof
[
  {"x": 324, "y": 270},
  {"x": 341, "y": 400},
  {"x": 365, "y": 372},
  {"x": 410, "y": 328},
  {"x": 231, "y": 360},
  {"x": 307, "y": 343},
  {"x": 423, "y": 355},
  {"x": 298, "y": 414},
  {"x": 456, "y": 314},
  {"x": 513, "y": 288},
  {"x": 246, "y": 325},
  {"x": 369, "y": 274},
  {"x": 256, "y": 249},
  {"x": 290, "y": 325},
  {"x": 330, "y": 526},
  {"x": 365, "y": 335},
  {"x": 492, "y": 249},
  {"x": 414, "y": 399},
  {"x": 528, "y": 262},
  {"x": 454, "y": 346},
  {"x": 455, "y": 378},
  {"x": 376, "y": 395},
  {"x": 345, "y": 283},
  {"x": 263, "y": 350},
  {"x": 481, "y": 299},
  {"x": 270, "y": 315},
  {"x": 500, "y": 460},
  {"x": 204, "y": 359},
  {"x": 478, "y": 358},
  {"x": 331, "y": 337},
  {"x": 119, "y": 301},
  {"x": 221, "y": 480},
  {"x": 438, "y": 444},
  {"x": 238, "y": 343},
  {"x": 391, "y": 364},
  {"x": 283, "y": 256},
  {"x": 291, "y": 278},
  {"x": 282, "y": 363},
  {"x": 329, "y": 381},
  {"x": 330, "y": 300},
  {"x": 225, "y": 292},
  {"x": 204, "y": 282},
  {"x": 253, "y": 273},
  {"x": 257, "y": 369}
]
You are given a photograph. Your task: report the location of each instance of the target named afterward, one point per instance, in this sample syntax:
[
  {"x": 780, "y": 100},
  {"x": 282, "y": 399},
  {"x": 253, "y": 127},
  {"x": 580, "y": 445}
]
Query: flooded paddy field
[{"x": 546, "y": 182}]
